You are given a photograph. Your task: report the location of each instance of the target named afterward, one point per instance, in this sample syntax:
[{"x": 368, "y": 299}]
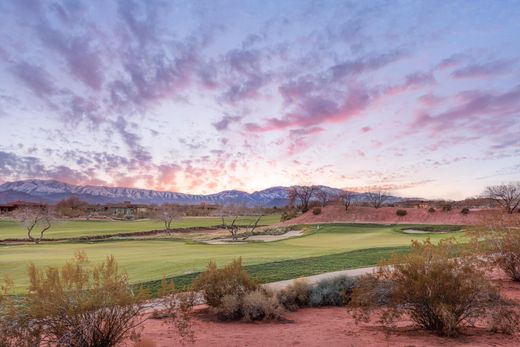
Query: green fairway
[
  {"x": 147, "y": 260},
  {"x": 61, "y": 229}
]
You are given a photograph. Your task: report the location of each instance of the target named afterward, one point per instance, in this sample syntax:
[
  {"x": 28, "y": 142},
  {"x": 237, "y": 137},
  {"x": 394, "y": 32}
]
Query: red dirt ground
[
  {"x": 386, "y": 215},
  {"x": 326, "y": 327}
]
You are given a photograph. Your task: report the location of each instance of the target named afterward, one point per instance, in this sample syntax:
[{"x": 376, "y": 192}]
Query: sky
[{"x": 421, "y": 98}]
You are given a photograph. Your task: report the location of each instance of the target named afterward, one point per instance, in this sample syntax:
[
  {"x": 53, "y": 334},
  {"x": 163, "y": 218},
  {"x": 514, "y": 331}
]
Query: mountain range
[{"x": 51, "y": 191}]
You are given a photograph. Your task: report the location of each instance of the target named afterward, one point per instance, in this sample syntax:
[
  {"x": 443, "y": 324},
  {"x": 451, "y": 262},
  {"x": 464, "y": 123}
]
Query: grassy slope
[
  {"x": 151, "y": 260},
  {"x": 12, "y": 229}
]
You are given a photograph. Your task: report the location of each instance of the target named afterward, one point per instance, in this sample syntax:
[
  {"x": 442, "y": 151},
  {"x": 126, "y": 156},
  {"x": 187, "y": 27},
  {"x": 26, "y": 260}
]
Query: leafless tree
[
  {"x": 167, "y": 214},
  {"x": 71, "y": 207},
  {"x": 377, "y": 197},
  {"x": 345, "y": 198},
  {"x": 235, "y": 212},
  {"x": 322, "y": 196},
  {"x": 506, "y": 195},
  {"x": 302, "y": 195},
  {"x": 34, "y": 219}
]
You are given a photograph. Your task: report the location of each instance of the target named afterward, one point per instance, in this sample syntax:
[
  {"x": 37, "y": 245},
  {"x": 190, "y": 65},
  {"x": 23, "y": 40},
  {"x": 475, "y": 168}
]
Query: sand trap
[
  {"x": 416, "y": 231},
  {"x": 259, "y": 238}
]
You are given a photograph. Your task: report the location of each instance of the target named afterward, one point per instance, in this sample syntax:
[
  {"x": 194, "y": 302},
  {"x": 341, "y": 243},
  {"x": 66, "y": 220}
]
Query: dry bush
[
  {"x": 289, "y": 214},
  {"x": 316, "y": 211},
  {"x": 260, "y": 305},
  {"x": 499, "y": 239},
  {"x": 252, "y": 306},
  {"x": 13, "y": 323},
  {"x": 216, "y": 283},
  {"x": 296, "y": 295},
  {"x": 431, "y": 210},
  {"x": 82, "y": 305},
  {"x": 435, "y": 286},
  {"x": 176, "y": 310}
]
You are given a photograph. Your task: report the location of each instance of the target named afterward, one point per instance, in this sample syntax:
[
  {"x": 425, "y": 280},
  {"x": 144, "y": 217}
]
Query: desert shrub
[
  {"x": 175, "y": 310},
  {"x": 436, "y": 288},
  {"x": 335, "y": 291},
  {"x": 431, "y": 210},
  {"x": 252, "y": 306},
  {"x": 216, "y": 283},
  {"x": 401, "y": 213},
  {"x": 464, "y": 211},
  {"x": 230, "y": 307},
  {"x": 259, "y": 305},
  {"x": 289, "y": 214},
  {"x": 499, "y": 238},
  {"x": 295, "y": 295},
  {"x": 446, "y": 208},
  {"x": 316, "y": 211},
  {"x": 76, "y": 305}
]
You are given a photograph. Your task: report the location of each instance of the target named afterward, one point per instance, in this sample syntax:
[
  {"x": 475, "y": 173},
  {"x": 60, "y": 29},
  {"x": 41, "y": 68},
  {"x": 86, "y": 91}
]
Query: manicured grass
[
  {"x": 294, "y": 268},
  {"x": 65, "y": 228},
  {"x": 147, "y": 260}
]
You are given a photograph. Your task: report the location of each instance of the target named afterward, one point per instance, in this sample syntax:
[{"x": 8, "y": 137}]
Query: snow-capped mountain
[{"x": 51, "y": 191}]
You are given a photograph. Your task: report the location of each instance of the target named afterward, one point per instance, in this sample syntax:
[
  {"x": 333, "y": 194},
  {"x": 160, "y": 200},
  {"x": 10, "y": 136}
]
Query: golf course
[{"x": 320, "y": 248}]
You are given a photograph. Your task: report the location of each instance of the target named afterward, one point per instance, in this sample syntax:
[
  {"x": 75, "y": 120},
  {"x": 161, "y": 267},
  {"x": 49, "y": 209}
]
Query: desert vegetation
[
  {"x": 506, "y": 195},
  {"x": 438, "y": 287},
  {"x": 36, "y": 220},
  {"x": 79, "y": 304}
]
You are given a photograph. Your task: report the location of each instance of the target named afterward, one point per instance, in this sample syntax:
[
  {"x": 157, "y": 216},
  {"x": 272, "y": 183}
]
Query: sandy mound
[{"x": 386, "y": 215}]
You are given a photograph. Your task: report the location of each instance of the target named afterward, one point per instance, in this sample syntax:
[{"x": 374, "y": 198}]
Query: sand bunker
[
  {"x": 418, "y": 231},
  {"x": 257, "y": 238}
]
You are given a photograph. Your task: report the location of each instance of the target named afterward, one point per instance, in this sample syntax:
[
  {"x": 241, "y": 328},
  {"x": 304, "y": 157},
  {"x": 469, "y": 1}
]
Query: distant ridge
[{"x": 51, "y": 191}]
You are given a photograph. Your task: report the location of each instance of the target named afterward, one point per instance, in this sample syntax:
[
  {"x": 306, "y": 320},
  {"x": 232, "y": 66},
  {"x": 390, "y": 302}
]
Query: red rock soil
[
  {"x": 386, "y": 215},
  {"x": 326, "y": 327}
]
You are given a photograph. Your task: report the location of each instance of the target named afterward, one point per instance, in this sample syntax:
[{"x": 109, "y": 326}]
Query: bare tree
[
  {"x": 345, "y": 198},
  {"x": 71, "y": 207},
  {"x": 377, "y": 197},
  {"x": 34, "y": 219},
  {"x": 302, "y": 195},
  {"x": 235, "y": 212},
  {"x": 506, "y": 195},
  {"x": 167, "y": 214},
  {"x": 322, "y": 196}
]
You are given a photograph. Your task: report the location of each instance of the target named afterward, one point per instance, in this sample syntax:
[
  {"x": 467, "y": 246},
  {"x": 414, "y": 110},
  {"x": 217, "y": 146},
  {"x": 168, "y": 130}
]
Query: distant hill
[{"x": 51, "y": 191}]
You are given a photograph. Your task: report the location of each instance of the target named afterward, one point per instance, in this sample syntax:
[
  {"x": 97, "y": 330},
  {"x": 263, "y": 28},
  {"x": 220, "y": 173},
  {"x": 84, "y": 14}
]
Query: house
[
  {"x": 9, "y": 207},
  {"x": 127, "y": 210}
]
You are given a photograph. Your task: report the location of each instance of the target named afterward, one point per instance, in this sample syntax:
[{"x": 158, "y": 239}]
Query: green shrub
[
  {"x": 431, "y": 210},
  {"x": 316, "y": 211},
  {"x": 335, "y": 291},
  {"x": 465, "y": 211},
  {"x": 216, "y": 283},
  {"x": 401, "y": 213},
  {"x": 296, "y": 295}
]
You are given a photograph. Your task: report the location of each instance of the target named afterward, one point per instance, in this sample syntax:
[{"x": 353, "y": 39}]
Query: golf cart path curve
[{"x": 316, "y": 278}]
